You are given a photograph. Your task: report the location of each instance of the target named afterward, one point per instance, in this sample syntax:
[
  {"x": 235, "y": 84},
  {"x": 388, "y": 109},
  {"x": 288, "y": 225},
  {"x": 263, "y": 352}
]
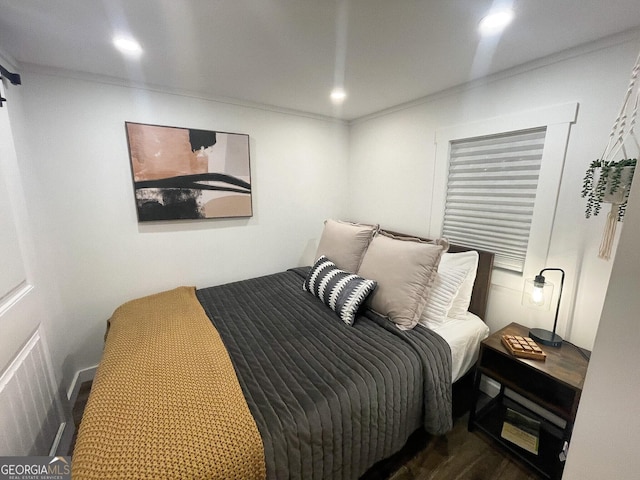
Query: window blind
[{"x": 491, "y": 192}]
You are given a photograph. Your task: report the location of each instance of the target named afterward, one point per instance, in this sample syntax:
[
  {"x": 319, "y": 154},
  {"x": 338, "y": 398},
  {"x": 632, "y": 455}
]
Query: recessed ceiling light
[
  {"x": 338, "y": 95},
  {"x": 495, "y": 22},
  {"x": 127, "y": 45}
]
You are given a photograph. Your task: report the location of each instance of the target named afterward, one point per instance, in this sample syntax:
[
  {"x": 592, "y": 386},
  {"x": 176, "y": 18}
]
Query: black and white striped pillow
[{"x": 341, "y": 291}]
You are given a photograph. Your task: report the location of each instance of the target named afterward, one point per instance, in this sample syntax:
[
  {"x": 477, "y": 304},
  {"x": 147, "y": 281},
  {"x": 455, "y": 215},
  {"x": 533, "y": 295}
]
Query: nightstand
[{"x": 555, "y": 385}]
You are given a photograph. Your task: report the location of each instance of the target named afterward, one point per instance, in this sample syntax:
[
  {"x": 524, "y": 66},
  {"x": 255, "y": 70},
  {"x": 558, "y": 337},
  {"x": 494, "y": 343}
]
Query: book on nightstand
[{"x": 521, "y": 430}]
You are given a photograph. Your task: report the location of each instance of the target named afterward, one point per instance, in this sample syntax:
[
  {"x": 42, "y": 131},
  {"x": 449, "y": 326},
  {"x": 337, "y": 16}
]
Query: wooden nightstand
[{"x": 554, "y": 385}]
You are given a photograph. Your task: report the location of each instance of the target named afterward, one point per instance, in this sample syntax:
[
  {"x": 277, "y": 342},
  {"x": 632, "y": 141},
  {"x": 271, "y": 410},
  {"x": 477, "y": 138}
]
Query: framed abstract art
[{"x": 185, "y": 173}]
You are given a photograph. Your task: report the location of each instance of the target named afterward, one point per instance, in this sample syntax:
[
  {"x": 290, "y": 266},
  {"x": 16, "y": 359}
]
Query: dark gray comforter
[{"x": 329, "y": 400}]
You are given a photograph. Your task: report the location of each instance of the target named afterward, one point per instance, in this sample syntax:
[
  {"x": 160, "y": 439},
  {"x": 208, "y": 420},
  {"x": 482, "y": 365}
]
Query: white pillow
[
  {"x": 441, "y": 296},
  {"x": 469, "y": 262}
]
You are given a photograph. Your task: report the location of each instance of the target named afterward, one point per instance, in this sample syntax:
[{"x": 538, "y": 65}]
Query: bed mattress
[{"x": 464, "y": 337}]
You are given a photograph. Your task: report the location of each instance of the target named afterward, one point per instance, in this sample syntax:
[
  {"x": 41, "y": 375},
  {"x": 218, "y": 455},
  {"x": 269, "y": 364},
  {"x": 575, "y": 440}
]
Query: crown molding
[
  {"x": 118, "y": 82},
  {"x": 627, "y": 36}
]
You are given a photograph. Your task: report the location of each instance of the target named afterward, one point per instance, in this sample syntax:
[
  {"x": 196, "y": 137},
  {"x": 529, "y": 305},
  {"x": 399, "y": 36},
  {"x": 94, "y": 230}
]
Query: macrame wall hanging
[{"x": 614, "y": 177}]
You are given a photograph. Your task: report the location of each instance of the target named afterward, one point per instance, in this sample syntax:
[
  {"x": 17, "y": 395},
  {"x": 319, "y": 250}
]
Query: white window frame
[{"x": 557, "y": 120}]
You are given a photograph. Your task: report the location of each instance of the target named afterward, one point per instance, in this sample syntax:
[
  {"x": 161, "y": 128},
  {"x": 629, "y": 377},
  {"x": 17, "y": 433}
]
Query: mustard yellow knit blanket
[{"x": 166, "y": 402}]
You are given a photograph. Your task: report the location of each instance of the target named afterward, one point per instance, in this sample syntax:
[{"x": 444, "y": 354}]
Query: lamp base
[{"x": 545, "y": 337}]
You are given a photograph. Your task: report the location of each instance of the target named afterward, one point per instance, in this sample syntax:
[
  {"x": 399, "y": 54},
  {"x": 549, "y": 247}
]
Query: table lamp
[{"x": 537, "y": 293}]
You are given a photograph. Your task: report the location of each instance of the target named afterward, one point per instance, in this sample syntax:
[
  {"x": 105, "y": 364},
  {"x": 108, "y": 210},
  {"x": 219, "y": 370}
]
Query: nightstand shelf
[
  {"x": 490, "y": 421},
  {"x": 554, "y": 385}
]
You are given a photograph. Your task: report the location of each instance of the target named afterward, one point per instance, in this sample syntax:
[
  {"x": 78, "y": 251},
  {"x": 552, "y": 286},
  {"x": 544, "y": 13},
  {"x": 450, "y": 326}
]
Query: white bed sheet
[{"x": 464, "y": 337}]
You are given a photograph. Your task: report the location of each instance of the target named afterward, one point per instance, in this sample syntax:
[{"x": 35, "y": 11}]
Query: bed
[{"x": 290, "y": 390}]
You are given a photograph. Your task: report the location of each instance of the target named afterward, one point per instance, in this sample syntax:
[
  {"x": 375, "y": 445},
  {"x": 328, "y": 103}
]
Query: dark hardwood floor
[
  {"x": 459, "y": 455},
  {"x": 78, "y": 410}
]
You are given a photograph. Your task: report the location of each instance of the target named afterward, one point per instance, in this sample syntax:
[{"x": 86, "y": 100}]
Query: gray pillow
[
  {"x": 345, "y": 243},
  {"x": 404, "y": 268}
]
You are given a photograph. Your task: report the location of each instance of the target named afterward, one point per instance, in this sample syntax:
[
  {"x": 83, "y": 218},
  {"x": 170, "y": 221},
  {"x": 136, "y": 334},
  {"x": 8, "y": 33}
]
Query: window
[
  {"x": 545, "y": 132},
  {"x": 491, "y": 192}
]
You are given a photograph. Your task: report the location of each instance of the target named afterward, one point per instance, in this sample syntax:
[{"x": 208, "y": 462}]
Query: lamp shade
[{"x": 537, "y": 293}]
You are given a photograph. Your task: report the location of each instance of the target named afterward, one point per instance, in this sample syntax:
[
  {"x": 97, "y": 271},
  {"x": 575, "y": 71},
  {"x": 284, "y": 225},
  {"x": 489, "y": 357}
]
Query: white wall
[
  {"x": 392, "y": 159},
  {"x": 607, "y": 431},
  {"x": 93, "y": 254}
]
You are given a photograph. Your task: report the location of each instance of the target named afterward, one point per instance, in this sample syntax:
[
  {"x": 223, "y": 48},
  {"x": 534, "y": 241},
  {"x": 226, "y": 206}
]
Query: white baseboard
[
  {"x": 63, "y": 440},
  {"x": 79, "y": 378},
  {"x": 57, "y": 441},
  {"x": 66, "y": 430}
]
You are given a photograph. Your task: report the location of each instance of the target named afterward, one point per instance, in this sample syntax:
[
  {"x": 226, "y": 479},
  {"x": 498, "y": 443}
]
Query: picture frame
[{"x": 188, "y": 174}]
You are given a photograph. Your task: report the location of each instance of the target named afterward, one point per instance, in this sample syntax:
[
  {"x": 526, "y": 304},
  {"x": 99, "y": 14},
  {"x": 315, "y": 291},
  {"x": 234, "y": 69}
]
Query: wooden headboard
[{"x": 480, "y": 293}]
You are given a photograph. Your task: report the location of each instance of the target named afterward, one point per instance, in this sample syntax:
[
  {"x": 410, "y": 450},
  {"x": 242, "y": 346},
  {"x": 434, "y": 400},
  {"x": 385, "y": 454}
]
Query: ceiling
[{"x": 291, "y": 53}]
